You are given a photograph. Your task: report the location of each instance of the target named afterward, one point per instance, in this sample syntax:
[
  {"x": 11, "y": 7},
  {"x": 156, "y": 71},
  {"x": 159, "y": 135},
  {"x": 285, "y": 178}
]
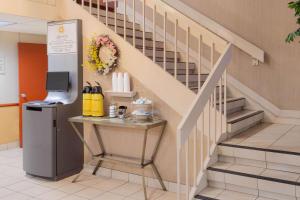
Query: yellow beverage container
[
  {"x": 97, "y": 101},
  {"x": 87, "y": 100}
]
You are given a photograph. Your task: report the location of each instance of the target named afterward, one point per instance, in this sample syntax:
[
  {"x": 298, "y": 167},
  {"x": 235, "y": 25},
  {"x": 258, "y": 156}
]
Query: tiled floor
[
  {"x": 270, "y": 136},
  {"x": 15, "y": 185}
]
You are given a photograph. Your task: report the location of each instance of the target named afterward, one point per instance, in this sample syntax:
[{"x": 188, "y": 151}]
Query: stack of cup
[{"x": 120, "y": 82}]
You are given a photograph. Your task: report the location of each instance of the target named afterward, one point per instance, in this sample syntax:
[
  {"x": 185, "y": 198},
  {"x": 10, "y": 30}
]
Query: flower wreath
[{"x": 102, "y": 54}]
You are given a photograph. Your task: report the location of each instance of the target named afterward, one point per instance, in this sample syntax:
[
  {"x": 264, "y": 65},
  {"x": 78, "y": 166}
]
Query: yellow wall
[{"x": 9, "y": 124}]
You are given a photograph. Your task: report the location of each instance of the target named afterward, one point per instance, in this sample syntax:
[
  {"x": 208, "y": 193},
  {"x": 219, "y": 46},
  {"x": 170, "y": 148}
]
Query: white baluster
[
  {"x": 133, "y": 31},
  {"x": 195, "y": 154},
  {"x": 98, "y": 9},
  {"x": 106, "y": 12},
  {"x": 199, "y": 61},
  {"x": 82, "y": 3},
  {"x": 220, "y": 106},
  {"x": 144, "y": 26},
  {"x": 115, "y": 6},
  {"x": 187, "y": 56},
  {"x": 215, "y": 115},
  {"x": 154, "y": 33},
  {"x": 165, "y": 40},
  {"x": 176, "y": 43},
  {"x": 124, "y": 18},
  {"x": 225, "y": 99},
  {"x": 209, "y": 126},
  {"x": 202, "y": 141},
  {"x": 178, "y": 170},
  {"x": 90, "y": 6},
  {"x": 187, "y": 177}
]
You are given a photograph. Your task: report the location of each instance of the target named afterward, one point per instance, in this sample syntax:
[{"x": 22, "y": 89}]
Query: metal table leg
[
  {"x": 102, "y": 148},
  {"x": 87, "y": 146},
  {"x": 143, "y": 162}
]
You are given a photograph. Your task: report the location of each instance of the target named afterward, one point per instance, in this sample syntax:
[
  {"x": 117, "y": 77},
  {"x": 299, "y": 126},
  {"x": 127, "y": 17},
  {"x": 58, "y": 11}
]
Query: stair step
[
  {"x": 211, "y": 193},
  {"x": 160, "y": 54},
  {"x": 180, "y": 65},
  {"x": 148, "y": 43},
  {"x": 234, "y": 104},
  {"x": 129, "y": 32},
  {"x": 102, "y": 11},
  {"x": 255, "y": 180},
  {"x": 192, "y": 77},
  {"x": 120, "y": 23},
  {"x": 243, "y": 120}
]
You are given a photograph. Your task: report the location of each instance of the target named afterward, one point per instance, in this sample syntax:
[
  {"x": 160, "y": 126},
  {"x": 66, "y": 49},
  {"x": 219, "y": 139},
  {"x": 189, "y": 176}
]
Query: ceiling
[{"x": 14, "y": 23}]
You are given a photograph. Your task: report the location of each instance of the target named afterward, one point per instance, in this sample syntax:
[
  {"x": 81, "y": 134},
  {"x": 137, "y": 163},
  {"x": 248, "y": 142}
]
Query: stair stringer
[{"x": 151, "y": 75}]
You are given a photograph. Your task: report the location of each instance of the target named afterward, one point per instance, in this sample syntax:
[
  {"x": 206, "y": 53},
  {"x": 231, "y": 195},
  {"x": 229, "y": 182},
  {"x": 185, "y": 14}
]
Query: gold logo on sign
[{"x": 61, "y": 29}]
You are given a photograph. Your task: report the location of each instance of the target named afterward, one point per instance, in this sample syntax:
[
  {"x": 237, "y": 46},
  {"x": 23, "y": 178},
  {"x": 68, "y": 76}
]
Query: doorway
[{"x": 33, "y": 67}]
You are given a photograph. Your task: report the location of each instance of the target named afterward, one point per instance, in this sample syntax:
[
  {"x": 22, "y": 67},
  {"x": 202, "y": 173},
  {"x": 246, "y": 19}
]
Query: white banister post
[
  {"x": 115, "y": 6},
  {"x": 165, "y": 40},
  {"x": 125, "y": 20},
  {"x": 133, "y": 16},
  {"x": 98, "y": 10},
  {"x": 187, "y": 56},
  {"x": 176, "y": 43},
  {"x": 106, "y": 12},
  {"x": 144, "y": 27},
  {"x": 90, "y": 6},
  {"x": 154, "y": 33}
]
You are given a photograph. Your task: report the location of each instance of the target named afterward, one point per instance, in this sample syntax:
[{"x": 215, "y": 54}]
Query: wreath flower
[{"x": 102, "y": 54}]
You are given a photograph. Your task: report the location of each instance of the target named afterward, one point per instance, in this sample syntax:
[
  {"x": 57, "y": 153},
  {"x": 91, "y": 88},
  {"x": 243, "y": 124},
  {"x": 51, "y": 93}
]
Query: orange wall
[{"x": 9, "y": 124}]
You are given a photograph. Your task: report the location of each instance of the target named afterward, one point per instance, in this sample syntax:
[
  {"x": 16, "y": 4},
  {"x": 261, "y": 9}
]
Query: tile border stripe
[
  {"x": 255, "y": 176},
  {"x": 261, "y": 149}
]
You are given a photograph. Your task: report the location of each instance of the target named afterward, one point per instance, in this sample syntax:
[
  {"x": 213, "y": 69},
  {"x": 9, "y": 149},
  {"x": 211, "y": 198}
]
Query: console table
[{"x": 140, "y": 162}]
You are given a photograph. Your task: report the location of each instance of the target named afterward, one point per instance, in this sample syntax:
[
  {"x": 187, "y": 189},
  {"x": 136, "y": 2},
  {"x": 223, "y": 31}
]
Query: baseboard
[
  {"x": 132, "y": 178},
  {"x": 10, "y": 145}
]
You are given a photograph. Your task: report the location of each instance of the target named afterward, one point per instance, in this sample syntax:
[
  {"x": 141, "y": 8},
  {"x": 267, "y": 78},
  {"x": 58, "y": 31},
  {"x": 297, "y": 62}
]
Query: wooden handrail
[
  {"x": 187, "y": 123},
  {"x": 9, "y": 105}
]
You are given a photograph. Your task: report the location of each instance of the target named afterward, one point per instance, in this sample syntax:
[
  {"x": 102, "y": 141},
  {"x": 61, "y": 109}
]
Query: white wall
[{"x": 9, "y": 88}]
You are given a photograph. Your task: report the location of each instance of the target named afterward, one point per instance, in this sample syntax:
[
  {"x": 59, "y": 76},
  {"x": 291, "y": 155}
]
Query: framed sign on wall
[{"x": 2, "y": 65}]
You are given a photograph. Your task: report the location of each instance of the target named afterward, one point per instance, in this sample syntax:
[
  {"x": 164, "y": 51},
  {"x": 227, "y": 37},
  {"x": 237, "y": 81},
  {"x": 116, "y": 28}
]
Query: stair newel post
[
  {"x": 133, "y": 16},
  {"x": 98, "y": 10},
  {"x": 90, "y": 6},
  {"x": 176, "y": 40},
  {"x": 115, "y": 6},
  {"x": 144, "y": 26},
  {"x": 165, "y": 40},
  {"x": 187, "y": 171},
  {"x": 124, "y": 19},
  {"x": 187, "y": 56},
  {"x": 106, "y": 12},
  {"x": 154, "y": 33},
  {"x": 209, "y": 126},
  {"x": 199, "y": 61}
]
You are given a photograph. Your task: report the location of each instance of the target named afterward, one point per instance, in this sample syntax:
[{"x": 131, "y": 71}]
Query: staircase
[
  {"x": 250, "y": 170},
  {"x": 214, "y": 116}
]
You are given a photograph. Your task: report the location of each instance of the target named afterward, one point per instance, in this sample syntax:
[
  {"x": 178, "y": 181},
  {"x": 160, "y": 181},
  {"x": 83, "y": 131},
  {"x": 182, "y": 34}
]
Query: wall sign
[
  {"x": 2, "y": 65},
  {"x": 62, "y": 38}
]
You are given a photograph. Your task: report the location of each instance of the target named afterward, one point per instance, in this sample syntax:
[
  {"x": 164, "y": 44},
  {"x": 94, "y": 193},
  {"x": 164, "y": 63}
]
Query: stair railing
[
  {"x": 201, "y": 128},
  {"x": 175, "y": 26}
]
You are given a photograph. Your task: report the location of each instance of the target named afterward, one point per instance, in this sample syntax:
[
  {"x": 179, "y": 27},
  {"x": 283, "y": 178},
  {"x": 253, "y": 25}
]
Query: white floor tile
[
  {"x": 127, "y": 189},
  {"x": 52, "y": 195},
  {"x": 89, "y": 193},
  {"x": 109, "y": 196}
]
